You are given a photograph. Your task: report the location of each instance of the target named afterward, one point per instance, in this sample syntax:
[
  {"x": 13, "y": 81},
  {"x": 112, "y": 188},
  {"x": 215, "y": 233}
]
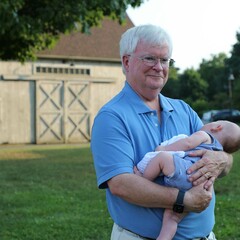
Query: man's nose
[{"x": 158, "y": 65}]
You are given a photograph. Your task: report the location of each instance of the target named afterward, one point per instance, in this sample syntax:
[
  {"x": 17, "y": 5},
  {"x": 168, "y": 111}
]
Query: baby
[{"x": 171, "y": 159}]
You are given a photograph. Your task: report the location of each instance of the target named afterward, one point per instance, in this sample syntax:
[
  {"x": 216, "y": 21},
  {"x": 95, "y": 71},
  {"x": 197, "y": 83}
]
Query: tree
[
  {"x": 234, "y": 61},
  {"x": 235, "y": 94},
  {"x": 233, "y": 64},
  {"x": 28, "y": 26},
  {"x": 192, "y": 86},
  {"x": 214, "y": 72},
  {"x": 193, "y": 89},
  {"x": 171, "y": 89}
]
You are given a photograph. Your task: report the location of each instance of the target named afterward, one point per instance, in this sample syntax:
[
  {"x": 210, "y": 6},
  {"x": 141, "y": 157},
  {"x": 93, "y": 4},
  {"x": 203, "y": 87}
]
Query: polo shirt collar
[
  {"x": 165, "y": 104},
  {"x": 140, "y": 106}
]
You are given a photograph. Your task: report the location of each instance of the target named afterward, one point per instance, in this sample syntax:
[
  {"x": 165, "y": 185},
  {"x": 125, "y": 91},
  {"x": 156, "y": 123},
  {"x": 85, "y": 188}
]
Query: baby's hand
[{"x": 137, "y": 172}]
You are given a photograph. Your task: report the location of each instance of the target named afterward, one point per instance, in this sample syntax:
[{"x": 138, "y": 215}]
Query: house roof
[{"x": 102, "y": 44}]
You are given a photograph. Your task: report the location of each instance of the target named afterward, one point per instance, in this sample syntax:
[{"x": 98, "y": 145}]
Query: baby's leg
[
  {"x": 161, "y": 163},
  {"x": 169, "y": 225}
]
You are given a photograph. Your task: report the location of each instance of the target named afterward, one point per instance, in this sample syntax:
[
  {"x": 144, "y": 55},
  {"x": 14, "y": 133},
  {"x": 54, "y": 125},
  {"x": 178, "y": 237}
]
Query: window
[{"x": 59, "y": 70}]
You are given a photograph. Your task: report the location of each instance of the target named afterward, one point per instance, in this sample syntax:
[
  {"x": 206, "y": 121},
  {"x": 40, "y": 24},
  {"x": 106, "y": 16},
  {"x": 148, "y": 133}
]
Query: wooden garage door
[
  {"x": 77, "y": 114},
  {"x": 62, "y": 112}
]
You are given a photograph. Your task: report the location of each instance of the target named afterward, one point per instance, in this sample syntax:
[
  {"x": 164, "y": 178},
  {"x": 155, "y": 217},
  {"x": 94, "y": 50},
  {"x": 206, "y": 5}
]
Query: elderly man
[{"x": 133, "y": 123}]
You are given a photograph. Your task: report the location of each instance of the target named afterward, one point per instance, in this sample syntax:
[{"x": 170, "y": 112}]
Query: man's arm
[
  {"x": 140, "y": 191},
  {"x": 213, "y": 164}
]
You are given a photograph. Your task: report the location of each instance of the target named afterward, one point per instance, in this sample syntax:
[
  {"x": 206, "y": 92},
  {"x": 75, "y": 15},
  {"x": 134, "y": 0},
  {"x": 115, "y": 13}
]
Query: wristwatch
[{"x": 178, "y": 206}]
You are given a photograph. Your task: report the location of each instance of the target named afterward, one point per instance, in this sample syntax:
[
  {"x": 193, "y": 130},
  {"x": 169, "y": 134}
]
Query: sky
[{"x": 198, "y": 28}]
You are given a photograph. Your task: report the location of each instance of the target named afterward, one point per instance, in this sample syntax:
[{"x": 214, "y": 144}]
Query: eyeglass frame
[{"x": 165, "y": 62}]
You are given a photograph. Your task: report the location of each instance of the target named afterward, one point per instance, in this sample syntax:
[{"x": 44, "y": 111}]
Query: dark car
[
  {"x": 207, "y": 116},
  {"x": 232, "y": 115}
]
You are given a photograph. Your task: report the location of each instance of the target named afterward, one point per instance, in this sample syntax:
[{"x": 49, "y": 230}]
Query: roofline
[{"x": 99, "y": 59}]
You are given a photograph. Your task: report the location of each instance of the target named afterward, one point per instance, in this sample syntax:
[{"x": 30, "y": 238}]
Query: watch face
[{"x": 178, "y": 208}]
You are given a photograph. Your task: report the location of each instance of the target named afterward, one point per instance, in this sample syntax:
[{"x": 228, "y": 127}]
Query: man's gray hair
[{"x": 151, "y": 34}]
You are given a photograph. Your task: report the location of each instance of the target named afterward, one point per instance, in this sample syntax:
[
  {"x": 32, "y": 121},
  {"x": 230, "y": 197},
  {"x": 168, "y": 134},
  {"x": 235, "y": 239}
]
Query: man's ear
[
  {"x": 218, "y": 128},
  {"x": 125, "y": 60}
]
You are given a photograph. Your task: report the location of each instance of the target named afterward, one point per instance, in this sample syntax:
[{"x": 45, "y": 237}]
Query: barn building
[{"x": 55, "y": 98}]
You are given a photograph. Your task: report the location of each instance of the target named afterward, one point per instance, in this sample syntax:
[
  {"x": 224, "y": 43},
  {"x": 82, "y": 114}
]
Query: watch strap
[
  {"x": 180, "y": 197},
  {"x": 178, "y": 205}
]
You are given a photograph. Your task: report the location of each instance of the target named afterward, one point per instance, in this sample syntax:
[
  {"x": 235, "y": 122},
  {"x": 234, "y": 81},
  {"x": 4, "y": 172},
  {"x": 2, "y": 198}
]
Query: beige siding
[
  {"x": 17, "y": 112},
  {"x": 17, "y": 97},
  {"x": 15, "y": 68}
]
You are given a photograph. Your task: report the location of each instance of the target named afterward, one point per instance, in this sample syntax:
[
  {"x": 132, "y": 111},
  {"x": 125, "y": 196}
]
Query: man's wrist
[
  {"x": 178, "y": 206},
  {"x": 227, "y": 164}
]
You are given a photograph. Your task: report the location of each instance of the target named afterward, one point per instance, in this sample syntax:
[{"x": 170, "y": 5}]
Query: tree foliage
[
  {"x": 28, "y": 26},
  {"x": 217, "y": 72},
  {"x": 214, "y": 72},
  {"x": 207, "y": 87},
  {"x": 234, "y": 61},
  {"x": 192, "y": 86},
  {"x": 171, "y": 89},
  {"x": 233, "y": 64}
]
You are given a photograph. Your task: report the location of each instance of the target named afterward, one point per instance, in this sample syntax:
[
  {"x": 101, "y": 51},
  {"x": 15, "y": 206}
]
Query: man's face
[{"x": 147, "y": 80}]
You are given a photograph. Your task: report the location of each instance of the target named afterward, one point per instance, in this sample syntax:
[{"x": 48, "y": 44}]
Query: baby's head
[{"x": 227, "y": 133}]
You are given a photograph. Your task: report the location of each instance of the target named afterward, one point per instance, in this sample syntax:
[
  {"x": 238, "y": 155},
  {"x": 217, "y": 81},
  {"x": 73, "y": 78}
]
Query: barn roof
[{"x": 102, "y": 44}]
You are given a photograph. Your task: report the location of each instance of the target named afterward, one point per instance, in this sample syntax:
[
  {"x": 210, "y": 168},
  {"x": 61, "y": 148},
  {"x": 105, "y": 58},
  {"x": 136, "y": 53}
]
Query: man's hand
[
  {"x": 198, "y": 198},
  {"x": 211, "y": 165}
]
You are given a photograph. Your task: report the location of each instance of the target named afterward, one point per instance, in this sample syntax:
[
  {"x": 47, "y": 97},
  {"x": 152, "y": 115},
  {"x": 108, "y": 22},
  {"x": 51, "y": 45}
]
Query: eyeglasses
[{"x": 151, "y": 61}]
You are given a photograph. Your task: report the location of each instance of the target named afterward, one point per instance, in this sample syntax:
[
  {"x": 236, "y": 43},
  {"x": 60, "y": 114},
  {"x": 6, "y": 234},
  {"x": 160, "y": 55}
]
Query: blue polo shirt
[{"x": 124, "y": 130}]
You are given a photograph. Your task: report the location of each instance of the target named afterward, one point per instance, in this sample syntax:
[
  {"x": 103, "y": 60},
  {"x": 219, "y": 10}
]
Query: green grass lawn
[{"x": 50, "y": 192}]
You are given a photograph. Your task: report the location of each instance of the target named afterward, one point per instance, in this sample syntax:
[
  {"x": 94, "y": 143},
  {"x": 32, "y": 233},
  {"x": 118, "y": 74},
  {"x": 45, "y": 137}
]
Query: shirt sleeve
[{"x": 111, "y": 148}]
